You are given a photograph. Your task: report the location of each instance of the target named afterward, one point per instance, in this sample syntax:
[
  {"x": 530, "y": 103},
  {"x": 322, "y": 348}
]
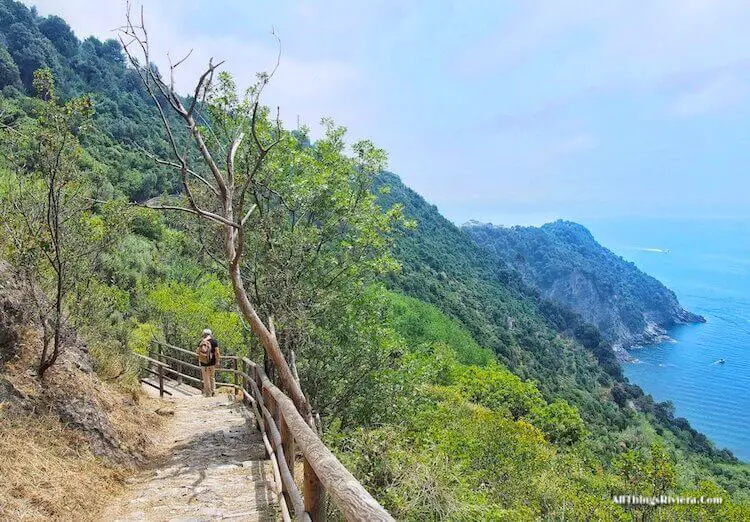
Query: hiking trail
[{"x": 213, "y": 466}]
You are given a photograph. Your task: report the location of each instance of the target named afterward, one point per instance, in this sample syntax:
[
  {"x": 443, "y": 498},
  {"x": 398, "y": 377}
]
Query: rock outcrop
[
  {"x": 566, "y": 264},
  {"x": 11, "y": 314}
]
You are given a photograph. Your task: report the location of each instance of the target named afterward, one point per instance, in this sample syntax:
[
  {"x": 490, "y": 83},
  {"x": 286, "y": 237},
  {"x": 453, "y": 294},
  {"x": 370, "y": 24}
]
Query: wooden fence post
[
  {"x": 235, "y": 366},
  {"x": 161, "y": 374},
  {"x": 313, "y": 494},
  {"x": 182, "y": 369},
  {"x": 149, "y": 353},
  {"x": 271, "y": 408},
  {"x": 287, "y": 443},
  {"x": 244, "y": 379}
]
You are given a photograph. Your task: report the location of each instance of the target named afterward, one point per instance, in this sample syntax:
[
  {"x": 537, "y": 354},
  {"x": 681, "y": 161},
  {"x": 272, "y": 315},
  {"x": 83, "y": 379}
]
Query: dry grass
[
  {"x": 48, "y": 472},
  {"x": 129, "y": 411}
]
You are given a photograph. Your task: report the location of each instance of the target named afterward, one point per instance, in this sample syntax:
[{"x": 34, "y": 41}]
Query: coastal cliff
[{"x": 566, "y": 264}]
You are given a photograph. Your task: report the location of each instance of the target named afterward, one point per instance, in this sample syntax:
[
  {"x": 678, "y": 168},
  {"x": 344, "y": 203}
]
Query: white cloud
[
  {"x": 303, "y": 88},
  {"x": 595, "y": 43}
]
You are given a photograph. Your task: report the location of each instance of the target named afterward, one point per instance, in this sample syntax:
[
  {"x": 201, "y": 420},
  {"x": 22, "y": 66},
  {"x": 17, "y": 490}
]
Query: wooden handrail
[
  {"x": 349, "y": 495},
  {"x": 286, "y": 474},
  {"x": 147, "y": 383},
  {"x": 159, "y": 372},
  {"x": 271, "y": 455},
  {"x": 180, "y": 362},
  {"x": 176, "y": 348},
  {"x": 184, "y": 376},
  {"x": 193, "y": 355},
  {"x": 283, "y": 429},
  {"x": 149, "y": 359}
]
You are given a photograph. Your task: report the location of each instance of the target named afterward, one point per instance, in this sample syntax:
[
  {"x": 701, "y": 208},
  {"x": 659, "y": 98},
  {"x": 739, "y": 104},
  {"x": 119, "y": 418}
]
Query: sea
[{"x": 707, "y": 264}]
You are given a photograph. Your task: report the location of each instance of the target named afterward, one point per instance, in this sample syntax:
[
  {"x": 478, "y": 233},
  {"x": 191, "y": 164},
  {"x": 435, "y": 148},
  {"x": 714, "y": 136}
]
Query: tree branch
[
  {"x": 177, "y": 166},
  {"x": 197, "y": 212}
]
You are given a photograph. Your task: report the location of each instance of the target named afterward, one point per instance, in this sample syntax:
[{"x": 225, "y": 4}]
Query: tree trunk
[
  {"x": 47, "y": 360},
  {"x": 268, "y": 341}
]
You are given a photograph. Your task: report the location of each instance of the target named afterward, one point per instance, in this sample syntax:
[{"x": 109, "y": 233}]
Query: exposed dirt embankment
[{"x": 66, "y": 442}]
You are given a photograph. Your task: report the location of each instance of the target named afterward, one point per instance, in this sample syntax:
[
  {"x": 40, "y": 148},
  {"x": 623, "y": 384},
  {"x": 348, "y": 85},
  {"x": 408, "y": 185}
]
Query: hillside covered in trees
[
  {"x": 566, "y": 264},
  {"x": 449, "y": 387}
]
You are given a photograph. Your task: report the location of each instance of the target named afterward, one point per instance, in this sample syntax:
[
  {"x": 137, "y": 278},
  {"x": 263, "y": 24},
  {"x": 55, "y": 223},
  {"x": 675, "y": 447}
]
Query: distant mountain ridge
[{"x": 566, "y": 264}]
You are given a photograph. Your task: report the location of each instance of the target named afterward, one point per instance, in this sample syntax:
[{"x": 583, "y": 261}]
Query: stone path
[{"x": 213, "y": 467}]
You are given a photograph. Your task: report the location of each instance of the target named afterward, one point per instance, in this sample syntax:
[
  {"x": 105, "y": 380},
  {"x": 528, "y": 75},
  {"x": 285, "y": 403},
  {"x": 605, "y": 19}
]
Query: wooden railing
[
  {"x": 156, "y": 368},
  {"x": 285, "y": 433}
]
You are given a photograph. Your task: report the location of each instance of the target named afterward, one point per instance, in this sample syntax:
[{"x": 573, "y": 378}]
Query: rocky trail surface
[{"x": 213, "y": 466}]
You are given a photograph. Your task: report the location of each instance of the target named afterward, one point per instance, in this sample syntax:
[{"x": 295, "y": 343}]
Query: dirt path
[{"x": 213, "y": 468}]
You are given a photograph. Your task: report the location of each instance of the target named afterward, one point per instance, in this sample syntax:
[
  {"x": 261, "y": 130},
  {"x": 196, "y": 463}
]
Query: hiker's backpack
[{"x": 204, "y": 351}]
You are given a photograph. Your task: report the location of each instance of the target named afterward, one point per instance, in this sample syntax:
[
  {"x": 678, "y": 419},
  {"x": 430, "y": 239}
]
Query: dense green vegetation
[
  {"x": 566, "y": 264},
  {"x": 477, "y": 442},
  {"x": 447, "y": 385},
  {"x": 124, "y": 117},
  {"x": 544, "y": 342}
]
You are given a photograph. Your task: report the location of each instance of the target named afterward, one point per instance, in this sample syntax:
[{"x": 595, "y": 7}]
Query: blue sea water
[{"x": 707, "y": 264}]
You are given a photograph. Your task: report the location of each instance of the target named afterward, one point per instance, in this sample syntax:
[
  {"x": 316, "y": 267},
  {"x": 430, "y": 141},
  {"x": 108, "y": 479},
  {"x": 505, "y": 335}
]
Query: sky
[{"x": 510, "y": 112}]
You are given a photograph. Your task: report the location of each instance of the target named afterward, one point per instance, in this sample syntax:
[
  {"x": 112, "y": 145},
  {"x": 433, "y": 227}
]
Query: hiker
[{"x": 208, "y": 358}]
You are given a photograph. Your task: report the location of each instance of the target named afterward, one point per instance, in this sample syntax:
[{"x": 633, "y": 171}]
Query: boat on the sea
[{"x": 720, "y": 361}]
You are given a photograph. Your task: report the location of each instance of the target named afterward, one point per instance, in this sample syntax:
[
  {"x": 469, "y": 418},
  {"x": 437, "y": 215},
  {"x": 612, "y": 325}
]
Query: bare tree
[
  {"x": 46, "y": 212},
  {"x": 215, "y": 190}
]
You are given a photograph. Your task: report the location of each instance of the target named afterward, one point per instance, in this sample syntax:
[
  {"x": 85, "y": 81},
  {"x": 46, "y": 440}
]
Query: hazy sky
[{"x": 511, "y": 112}]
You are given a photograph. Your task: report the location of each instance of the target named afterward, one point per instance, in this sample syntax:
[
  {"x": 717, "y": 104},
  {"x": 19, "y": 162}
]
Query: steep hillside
[
  {"x": 125, "y": 121},
  {"x": 69, "y": 430},
  {"x": 535, "y": 338},
  {"x": 566, "y": 264},
  {"x": 442, "y": 266}
]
